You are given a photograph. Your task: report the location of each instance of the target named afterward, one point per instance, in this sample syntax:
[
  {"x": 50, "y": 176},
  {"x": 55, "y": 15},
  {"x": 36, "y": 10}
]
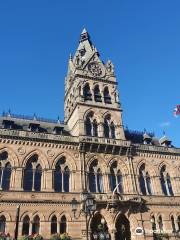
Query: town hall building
[{"x": 88, "y": 176}]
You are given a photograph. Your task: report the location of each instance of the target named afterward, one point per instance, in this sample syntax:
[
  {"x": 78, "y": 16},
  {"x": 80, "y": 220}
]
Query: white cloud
[{"x": 165, "y": 124}]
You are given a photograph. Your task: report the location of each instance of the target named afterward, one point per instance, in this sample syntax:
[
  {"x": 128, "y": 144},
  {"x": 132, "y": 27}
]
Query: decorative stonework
[
  {"x": 95, "y": 69},
  {"x": 50, "y": 153},
  {"x": 21, "y": 151}
]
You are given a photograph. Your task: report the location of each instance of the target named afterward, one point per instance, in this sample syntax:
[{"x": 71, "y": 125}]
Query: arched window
[
  {"x": 87, "y": 92},
  {"x": 116, "y": 178},
  {"x": 106, "y": 128},
  {"x": 6, "y": 176},
  {"x": 32, "y": 174},
  {"x": 99, "y": 181},
  {"x": 57, "y": 179},
  {"x": 25, "y": 225},
  {"x": 160, "y": 224},
  {"x": 66, "y": 179},
  {"x": 144, "y": 181},
  {"x": 165, "y": 182},
  {"x": 112, "y": 127},
  {"x": 95, "y": 178},
  {"x": 2, "y": 224},
  {"x": 91, "y": 125},
  {"x": 97, "y": 95},
  {"x": 148, "y": 183},
  {"x": 109, "y": 127},
  {"x": 92, "y": 179},
  {"x": 173, "y": 224},
  {"x": 28, "y": 177},
  {"x": 63, "y": 225},
  {"x": 53, "y": 225},
  {"x": 5, "y": 171},
  {"x": 168, "y": 179},
  {"x": 107, "y": 97},
  {"x": 88, "y": 126},
  {"x": 36, "y": 225},
  {"x": 153, "y": 222},
  {"x": 95, "y": 128},
  {"x": 37, "y": 178},
  {"x": 61, "y": 176}
]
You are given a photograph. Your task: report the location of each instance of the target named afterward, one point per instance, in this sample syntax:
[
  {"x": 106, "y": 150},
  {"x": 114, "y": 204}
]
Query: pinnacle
[{"x": 84, "y": 31}]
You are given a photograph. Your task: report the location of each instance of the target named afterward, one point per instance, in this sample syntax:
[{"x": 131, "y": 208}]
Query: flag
[{"x": 176, "y": 111}]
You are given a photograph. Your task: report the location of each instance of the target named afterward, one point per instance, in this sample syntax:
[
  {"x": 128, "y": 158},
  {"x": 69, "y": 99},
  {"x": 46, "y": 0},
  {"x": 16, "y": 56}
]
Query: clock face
[{"x": 95, "y": 69}]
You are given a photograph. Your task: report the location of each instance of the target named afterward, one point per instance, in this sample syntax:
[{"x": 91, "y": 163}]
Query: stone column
[
  {"x": 101, "y": 130},
  {"x": 18, "y": 184},
  {"x": 112, "y": 233},
  {"x": 48, "y": 178}
]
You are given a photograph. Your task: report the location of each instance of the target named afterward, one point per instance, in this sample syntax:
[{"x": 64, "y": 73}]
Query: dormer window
[
  {"x": 34, "y": 127},
  {"x": 8, "y": 124},
  {"x": 58, "y": 130}
]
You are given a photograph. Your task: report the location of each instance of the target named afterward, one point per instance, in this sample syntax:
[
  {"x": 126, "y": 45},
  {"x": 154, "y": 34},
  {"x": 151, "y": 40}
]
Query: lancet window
[
  {"x": 32, "y": 174},
  {"x": 165, "y": 182},
  {"x": 144, "y": 181},
  {"x": 5, "y": 171},
  {"x": 95, "y": 178},
  {"x": 61, "y": 176},
  {"x": 116, "y": 178}
]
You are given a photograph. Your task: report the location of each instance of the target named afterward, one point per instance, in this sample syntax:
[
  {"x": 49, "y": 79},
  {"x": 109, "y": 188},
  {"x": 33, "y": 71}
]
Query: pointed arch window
[
  {"x": 87, "y": 93},
  {"x": 91, "y": 125},
  {"x": 36, "y": 225},
  {"x": 37, "y": 178},
  {"x": 153, "y": 222},
  {"x": 6, "y": 177},
  {"x": 148, "y": 182},
  {"x": 109, "y": 127},
  {"x": 144, "y": 181},
  {"x": 25, "y": 225},
  {"x": 61, "y": 176},
  {"x": 95, "y": 178},
  {"x": 5, "y": 171},
  {"x": 97, "y": 95},
  {"x": 53, "y": 225},
  {"x": 116, "y": 178},
  {"x": 63, "y": 225},
  {"x": 32, "y": 175},
  {"x": 88, "y": 126},
  {"x": 95, "y": 128},
  {"x": 106, "y": 128},
  {"x": 66, "y": 179},
  {"x": 2, "y": 224},
  {"x": 173, "y": 224},
  {"x": 165, "y": 182},
  {"x": 112, "y": 128},
  {"x": 160, "y": 224},
  {"x": 28, "y": 177},
  {"x": 107, "y": 97}
]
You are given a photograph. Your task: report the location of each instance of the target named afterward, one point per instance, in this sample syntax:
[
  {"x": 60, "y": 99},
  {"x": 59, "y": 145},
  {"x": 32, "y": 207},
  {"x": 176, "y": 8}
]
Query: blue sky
[{"x": 142, "y": 38}]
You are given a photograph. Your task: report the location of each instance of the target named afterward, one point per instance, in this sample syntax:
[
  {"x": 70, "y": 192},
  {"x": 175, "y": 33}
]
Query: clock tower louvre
[{"x": 91, "y": 105}]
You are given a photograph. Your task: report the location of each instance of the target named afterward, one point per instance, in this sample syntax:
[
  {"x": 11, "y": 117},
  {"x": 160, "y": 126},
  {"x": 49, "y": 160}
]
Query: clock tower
[{"x": 91, "y": 104}]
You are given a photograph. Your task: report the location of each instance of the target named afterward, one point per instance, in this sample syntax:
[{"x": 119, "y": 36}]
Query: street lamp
[{"x": 88, "y": 208}]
